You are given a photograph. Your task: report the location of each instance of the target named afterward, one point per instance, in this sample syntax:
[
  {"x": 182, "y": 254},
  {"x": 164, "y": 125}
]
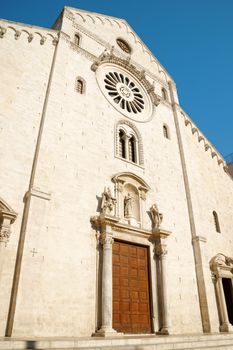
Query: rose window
[{"x": 124, "y": 92}]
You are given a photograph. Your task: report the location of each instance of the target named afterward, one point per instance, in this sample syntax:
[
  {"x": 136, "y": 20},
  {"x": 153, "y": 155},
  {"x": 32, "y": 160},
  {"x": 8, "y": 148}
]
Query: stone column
[
  {"x": 161, "y": 251},
  {"x": 224, "y": 326},
  {"x": 106, "y": 327},
  {"x": 216, "y": 289}
]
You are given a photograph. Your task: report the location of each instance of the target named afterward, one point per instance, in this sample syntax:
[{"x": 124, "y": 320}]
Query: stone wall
[{"x": 58, "y": 289}]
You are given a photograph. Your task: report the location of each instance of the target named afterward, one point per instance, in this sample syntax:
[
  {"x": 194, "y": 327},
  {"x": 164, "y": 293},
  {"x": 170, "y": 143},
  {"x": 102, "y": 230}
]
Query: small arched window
[
  {"x": 164, "y": 94},
  {"x": 132, "y": 149},
  {"x": 165, "y": 132},
  {"x": 122, "y": 151},
  {"x": 80, "y": 86},
  {"x": 216, "y": 222},
  {"x": 77, "y": 39}
]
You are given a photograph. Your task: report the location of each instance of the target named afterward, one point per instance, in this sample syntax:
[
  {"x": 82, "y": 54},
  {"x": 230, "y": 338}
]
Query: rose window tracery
[{"x": 124, "y": 92}]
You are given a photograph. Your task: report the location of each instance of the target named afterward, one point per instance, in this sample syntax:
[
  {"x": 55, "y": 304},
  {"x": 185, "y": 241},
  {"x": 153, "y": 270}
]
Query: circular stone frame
[{"x": 125, "y": 92}]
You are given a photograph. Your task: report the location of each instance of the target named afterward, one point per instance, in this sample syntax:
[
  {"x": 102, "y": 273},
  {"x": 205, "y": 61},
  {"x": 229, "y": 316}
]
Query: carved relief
[
  {"x": 160, "y": 250},
  {"x": 7, "y": 217},
  {"x": 108, "y": 202},
  {"x": 106, "y": 239},
  {"x": 221, "y": 261},
  {"x": 156, "y": 217}
]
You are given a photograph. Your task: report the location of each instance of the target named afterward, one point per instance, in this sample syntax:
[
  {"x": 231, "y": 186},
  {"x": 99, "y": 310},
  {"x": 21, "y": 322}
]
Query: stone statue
[
  {"x": 128, "y": 200},
  {"x": 108, "y": 202},
  {"x": 156, "y": 216}
]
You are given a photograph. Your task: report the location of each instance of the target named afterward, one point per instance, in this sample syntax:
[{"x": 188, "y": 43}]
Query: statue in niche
[
  {"x": 108, "y": 202},
  {"x": 156, "y": 216},
  {"x": 128, "y": 207}
]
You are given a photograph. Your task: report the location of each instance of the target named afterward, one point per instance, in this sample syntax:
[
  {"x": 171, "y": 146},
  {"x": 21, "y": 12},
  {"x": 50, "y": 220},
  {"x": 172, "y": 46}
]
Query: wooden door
[{"x": 131, "y": 299}]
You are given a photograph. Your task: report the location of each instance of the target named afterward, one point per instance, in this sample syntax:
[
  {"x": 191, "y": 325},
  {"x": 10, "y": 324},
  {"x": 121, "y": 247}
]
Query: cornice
[
  {"x": 200, "y": 137},
  {"x": 83, "y": 52},
  {"x": 31, "y": 32},
  {"x": 110, "y": 224}
]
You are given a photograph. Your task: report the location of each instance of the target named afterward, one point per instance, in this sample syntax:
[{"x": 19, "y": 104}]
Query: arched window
[
  {"x": 80, "y": 85},
  {"x": 164, "y": 94},
  {"x": 122, "y": 152},
  {"x": 165, "y": 132},
  {"x": 77, "y": 39},
  {"x": 128, "y": 142},
  {"x": 216, "y": 222},
  {"x": 132, "y": 149}
]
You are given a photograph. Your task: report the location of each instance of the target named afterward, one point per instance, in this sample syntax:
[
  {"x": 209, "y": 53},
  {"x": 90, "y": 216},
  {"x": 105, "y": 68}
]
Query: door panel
[{"x": 131, "y": 299}]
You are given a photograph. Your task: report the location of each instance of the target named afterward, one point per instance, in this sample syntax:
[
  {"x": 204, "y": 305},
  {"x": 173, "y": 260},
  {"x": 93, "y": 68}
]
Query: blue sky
[{"x": 193, "y": 39}]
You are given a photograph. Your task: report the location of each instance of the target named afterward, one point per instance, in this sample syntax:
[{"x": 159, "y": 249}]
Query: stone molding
[
  {"x": 31, "y": 35},
  {"x": 222, "y": 265},
  {"x": 119, "y": 53},
  {"x": 7, "y": 218},
  {"x": 107, "y": 223},
  {"x": 34, "y": 192},
  {"x": 82, "y": 51},
  {"x": 199, "y": 239},
  {"x": 200, "y": 137},
  {"x": 127, "y": 65},
  {"x": 138, "y": 136},
  {"x": 121, "y": 23}
]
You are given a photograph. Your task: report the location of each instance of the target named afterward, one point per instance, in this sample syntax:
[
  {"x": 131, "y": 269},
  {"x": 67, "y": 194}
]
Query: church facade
[{"x": 115, "y": 210}]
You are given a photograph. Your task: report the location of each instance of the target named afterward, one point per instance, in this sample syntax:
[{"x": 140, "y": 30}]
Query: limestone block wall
[
  {"x": 77, "y": 159},
  {"x": 58, "y": 284},
  {"x": 211, "y": 190},
  {"x": 26, "y": 56}
]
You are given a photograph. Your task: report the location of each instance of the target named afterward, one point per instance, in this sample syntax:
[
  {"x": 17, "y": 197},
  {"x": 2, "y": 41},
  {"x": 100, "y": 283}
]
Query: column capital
[
  {"x": 160, "y": 250},
  {"x": 106, "y": 239}
]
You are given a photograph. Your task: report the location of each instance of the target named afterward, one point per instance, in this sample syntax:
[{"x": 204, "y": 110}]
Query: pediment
[{"x": 127, "y": 177}]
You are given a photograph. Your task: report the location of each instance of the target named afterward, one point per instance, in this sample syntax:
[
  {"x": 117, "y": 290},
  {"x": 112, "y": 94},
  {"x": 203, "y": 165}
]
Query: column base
[
  {"x": 226, "y": 327},
  {"x": 162, "y": 331},
  {"x": 106, "y": 332}
]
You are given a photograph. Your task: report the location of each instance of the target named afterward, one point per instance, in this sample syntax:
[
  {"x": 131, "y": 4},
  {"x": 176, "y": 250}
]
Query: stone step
[{"x": 172, "y": 342}]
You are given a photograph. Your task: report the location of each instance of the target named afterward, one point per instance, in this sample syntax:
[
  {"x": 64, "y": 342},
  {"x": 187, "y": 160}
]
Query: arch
[
  {"x": 164, "y": 94},
  {"x": 80, "y": 85},
  {"x": 216, "y": 222},
  {"x": 131, "y": 177},
  {"x": 131, "y": 191},
  {"x": 77, "y": 39},
  {"x": 132, "y": 149},
  {"x": 166, "y": 133},
  {"x": 122, "y": 151},
  {"x": 133, "y": 142},
  {"x": 221, "y": 267}
]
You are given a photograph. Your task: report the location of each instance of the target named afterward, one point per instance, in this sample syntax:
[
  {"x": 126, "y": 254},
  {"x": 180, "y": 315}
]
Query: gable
[{"x": 109, "y": 32}]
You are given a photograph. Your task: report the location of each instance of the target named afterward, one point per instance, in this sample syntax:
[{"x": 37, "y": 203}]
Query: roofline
[
  {"x": 95, "y": 13},
  {"x": 28, "y": 25},
  {"x": 123, "y": 20}
]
